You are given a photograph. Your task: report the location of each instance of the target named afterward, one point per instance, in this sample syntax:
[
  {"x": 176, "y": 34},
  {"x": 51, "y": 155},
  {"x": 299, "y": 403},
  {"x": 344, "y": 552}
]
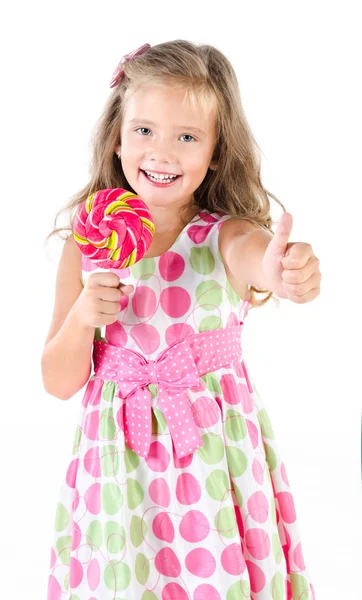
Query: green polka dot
[
  {"x": 209, "y": 294},
  {"x": 159, "y": 424},
  {"x": 237, "y": 461},
  {"x": 117, "y": 576},
  {"x": 149, "y": 596},
  {"x": 238, "y": 495},
  {"x": 240, "y": 590},
  {"x": 277, "y": 549},
  {"x": 131, "y": 460},
  {"x": 144, "y": 268},
  {"x": 109, "y": 461},
  {"x": 74, "y": 597},
  {"x": 76, "y": 441},
  {"x": 225, "y": 522},
  {"x": 152, "y": 388},
  {"x": 235, "y": 425},
  {"x": 108, "y": 390},
  {"x": 300, "y": 587},
  {"x": 94, "y": 535},
  {"x": 273, "y": 510},
  {"x": 135, "y": 493},
  {"x": 138, "y": 530},
  {"x": 61, "y": 517},
  {"x": 232, "y": 295},
  {"x": 210, "y": 323},
  {"x": 211, "y": 382},
  {"x": 202, "y": 260},
  {"x": 277, "y": 587},
  {"x": 265, "y": 424},
  {"x": 112, "y": 498},
  {"x": 212, "y": 450},
  {"x": 217, "y": 485},
  {"x": 142, "y": 568},
  {"x": 64, "y": 546},
  {"x": 114, "y": 537},
  {"x": 271, "y": 457},
  {"x": 107, "y": 426}
]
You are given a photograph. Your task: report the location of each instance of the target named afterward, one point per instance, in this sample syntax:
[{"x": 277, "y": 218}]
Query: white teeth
[{"x": 163, "y": 177}]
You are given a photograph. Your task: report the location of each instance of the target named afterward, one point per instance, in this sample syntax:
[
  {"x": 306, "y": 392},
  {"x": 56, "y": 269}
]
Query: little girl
[{"x": 176, "y": 489}]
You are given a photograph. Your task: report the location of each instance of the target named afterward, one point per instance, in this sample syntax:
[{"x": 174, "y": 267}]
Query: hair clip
[{"x": 119, "y": 72}]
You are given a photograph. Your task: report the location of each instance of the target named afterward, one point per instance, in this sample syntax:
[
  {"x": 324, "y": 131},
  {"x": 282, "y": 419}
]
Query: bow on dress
[{"x": 173, "y": 372}]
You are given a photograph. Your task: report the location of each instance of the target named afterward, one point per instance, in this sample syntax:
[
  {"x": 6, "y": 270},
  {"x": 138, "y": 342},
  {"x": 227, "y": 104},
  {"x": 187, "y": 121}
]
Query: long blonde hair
[{"x": 208, "y": 77}]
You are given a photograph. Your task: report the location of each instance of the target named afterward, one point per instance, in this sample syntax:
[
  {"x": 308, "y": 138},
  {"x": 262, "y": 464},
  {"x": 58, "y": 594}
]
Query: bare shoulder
[
  {"x": 68, "y": 284},
  {"x": 230, "y": 230}
]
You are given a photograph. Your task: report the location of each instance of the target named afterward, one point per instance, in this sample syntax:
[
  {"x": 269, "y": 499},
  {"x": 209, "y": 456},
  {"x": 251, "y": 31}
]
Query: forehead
[{"x": 162, "y": 102}]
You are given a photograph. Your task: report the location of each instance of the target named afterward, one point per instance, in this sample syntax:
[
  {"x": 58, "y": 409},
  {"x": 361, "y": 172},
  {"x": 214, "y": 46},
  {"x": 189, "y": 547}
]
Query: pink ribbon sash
[{"x": 176, "y": 369}]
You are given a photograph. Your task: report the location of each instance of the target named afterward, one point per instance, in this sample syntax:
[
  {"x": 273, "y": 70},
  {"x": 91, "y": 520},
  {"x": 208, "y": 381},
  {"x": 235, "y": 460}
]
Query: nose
[{"x": 161, "y": 151}]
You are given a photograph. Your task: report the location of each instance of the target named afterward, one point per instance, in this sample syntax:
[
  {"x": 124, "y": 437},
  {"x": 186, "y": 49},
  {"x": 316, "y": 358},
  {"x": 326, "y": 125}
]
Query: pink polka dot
[
  {"x": 284, "y": 474},
  {"x": 76, "y": 572},
  {"x": 198, "y": 233},
  {"x": 93, "y": 574},
  {"x": 175, "y": 301},
  {"x": 54, "y": 589},
  {"x": 232, "y": 559},
  {"x": 160, "y": 492},
  {"x": 205, "y": 411},
  {"x": 116, "y": 334},
  {"x": 258, "y": 507},
  {"x": 256, "y": 576},
  {"x": 171, "y": 266},
  {"x": 72, "y": 473},
  {"x": 188, "y": 490},
  {"x": 121, "y": 273},
  {"x": 228, "y": 386},
  {"x": 167, "y": 563},
  {"x": 163, "y": 528},
  {"x": 158, "y": 458},
  {"x": 77, "y": 536},
  {"x": 53, "y": 558},
  {"x": 120, "y": 417},
  {"x": 75, "y": 501},
  {"x": 93, "y": 498},
  {"x": 253, "y": 433},
  {"x": 245, "y": 398},
  {"x": 239, "y": 520},
  {"x": 183, "y": 462},
  {"x": 298, "y": 557},
  {"x": 258, "y": 543},
  {"x": 200, "y": 562},
  {"x": 177, "y": 332},
  {"x": 194, "y": 526},
  {"x": 144, "y": 302},
  {"x": 206, "y": 592},
  {"x": 92, "y": 463},
  {"x": 91, "y": 425},
  {"x": 173, "y": 591},
  {"x": 286, "y": 506},
  {"x": 257, "y": 471},
  {"x": 146, "y": 337}
]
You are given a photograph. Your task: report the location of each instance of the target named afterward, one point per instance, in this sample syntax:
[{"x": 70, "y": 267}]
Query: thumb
[{"x": 279, "y": 243}]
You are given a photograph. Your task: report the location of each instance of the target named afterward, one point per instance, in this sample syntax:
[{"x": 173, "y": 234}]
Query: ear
[
  {"x": 117, "y": 149},
  {"x": 213, "y": 166}
]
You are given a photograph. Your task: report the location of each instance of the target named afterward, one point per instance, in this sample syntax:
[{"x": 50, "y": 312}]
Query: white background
[{"x": 299, "y": 72}]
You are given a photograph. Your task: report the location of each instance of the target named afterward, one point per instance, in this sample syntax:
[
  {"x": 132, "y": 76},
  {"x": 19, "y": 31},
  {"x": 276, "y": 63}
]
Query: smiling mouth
[{"x": 162, "y": 179}]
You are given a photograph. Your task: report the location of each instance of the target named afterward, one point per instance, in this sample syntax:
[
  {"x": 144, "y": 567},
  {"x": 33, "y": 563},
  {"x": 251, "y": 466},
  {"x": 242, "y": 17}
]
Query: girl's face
[{"x": 164, "y": 134}]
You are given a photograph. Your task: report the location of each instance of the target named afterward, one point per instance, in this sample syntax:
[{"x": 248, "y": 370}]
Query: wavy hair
[{"x": 208, "y": 78}]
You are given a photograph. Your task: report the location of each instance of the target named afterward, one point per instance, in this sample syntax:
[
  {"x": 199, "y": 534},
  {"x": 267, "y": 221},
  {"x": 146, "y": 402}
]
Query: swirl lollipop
[{"x": 113, "y": 228}]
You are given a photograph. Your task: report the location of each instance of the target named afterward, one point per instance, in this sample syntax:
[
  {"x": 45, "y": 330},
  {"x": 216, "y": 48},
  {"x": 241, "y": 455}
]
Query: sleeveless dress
[{"x": 218, "y": 524}]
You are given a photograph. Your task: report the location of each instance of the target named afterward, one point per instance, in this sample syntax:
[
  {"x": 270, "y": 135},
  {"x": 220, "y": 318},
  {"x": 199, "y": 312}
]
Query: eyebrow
[{"x": 184, "y": 127}]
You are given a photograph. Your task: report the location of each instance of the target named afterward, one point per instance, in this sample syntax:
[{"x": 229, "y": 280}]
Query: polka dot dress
[{"x": 216, "y": 524}]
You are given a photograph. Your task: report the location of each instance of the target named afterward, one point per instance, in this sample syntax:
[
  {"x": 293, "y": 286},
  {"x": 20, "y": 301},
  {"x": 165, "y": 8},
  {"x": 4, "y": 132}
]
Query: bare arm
[
  {"x": 66, "y": 360},
  {"x": 242, "y": 247}
]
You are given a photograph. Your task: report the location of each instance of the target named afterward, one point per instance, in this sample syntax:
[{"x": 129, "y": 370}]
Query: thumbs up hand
[{"x": 291, "y": 269}]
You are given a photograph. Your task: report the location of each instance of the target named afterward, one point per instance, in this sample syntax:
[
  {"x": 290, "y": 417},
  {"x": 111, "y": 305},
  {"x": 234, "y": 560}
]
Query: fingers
[
  {"x": 282, "y": 233},
  {"x": 295, "y": 275}
]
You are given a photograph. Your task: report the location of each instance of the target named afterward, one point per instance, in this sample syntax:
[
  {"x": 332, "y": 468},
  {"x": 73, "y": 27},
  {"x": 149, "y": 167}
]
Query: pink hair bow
[{"x": 119, "y": 72}]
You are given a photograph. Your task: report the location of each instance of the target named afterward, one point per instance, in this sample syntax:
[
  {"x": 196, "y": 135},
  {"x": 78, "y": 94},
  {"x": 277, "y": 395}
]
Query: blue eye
[{"x": 149, "y": 130}]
